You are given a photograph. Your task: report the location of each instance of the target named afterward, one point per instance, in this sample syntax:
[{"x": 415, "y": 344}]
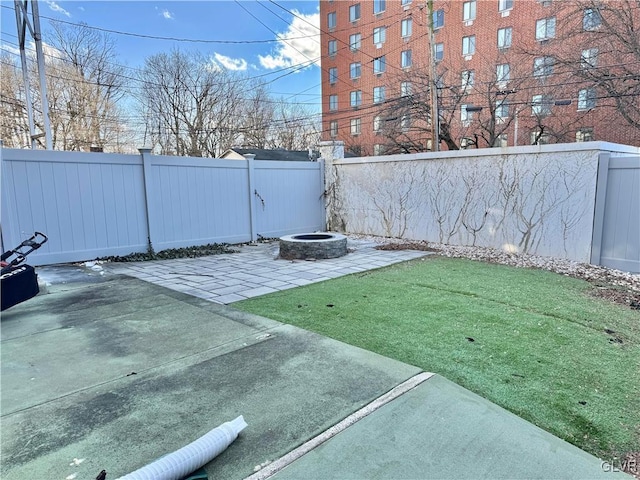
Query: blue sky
[{"x": 245, "y": 35}]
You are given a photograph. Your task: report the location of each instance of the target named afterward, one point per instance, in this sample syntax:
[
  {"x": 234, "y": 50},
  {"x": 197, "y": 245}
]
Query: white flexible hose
[{"x": 189, "y": 458}]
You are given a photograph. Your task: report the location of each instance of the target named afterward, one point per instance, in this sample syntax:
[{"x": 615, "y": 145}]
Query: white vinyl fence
[
  {"x": 616, "y": 230},
  {"x": 538, "y": 199},
  {"x": 94, "y": 204}
]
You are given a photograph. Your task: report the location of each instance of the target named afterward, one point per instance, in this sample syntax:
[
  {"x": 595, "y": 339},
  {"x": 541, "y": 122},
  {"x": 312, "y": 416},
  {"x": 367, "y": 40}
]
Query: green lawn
[{"x": 531, "y": 341}]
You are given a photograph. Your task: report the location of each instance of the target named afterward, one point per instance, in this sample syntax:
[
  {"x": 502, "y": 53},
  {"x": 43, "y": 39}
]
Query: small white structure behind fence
[{"x": 93, "y": 204}]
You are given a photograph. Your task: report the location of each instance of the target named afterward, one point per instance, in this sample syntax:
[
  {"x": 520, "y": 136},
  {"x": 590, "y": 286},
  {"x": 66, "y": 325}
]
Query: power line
[{"x": 155, "y": 37}]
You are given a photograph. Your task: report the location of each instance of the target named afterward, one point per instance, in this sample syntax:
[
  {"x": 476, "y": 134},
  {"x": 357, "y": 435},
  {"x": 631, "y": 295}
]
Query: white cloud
[
  {"x": 223, "y": 62},
  {"x": 57, "y": 8},
  {"x": 49, "y": 51},
  {"x": 167, "y": 14},
  {"x": 10, "y": 49},
  {"x": 299, "y": 44}
]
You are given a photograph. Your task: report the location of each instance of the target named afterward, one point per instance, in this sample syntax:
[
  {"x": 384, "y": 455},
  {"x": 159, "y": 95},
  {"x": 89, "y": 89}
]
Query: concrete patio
[
  {"x": 256, "y": 270},
  {"x": 107, "y": 371}
]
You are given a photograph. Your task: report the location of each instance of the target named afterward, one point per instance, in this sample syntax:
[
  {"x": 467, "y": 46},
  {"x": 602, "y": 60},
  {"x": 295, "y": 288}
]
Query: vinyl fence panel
[
  {"x": 288, "y": 198},
  {"x": 197, "y": 201},
  {"x": 94, "y": 205},
  {"x": 617, "y": 222},
  {"x": 89, "y": 205}
]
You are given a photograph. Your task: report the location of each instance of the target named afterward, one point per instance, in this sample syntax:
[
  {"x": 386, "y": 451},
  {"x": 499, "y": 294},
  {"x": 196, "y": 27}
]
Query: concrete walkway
[{"x": 256, "y": 270}]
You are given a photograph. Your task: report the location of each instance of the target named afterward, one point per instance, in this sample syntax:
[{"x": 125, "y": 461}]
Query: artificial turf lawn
[{"x": 531, "y": 341}]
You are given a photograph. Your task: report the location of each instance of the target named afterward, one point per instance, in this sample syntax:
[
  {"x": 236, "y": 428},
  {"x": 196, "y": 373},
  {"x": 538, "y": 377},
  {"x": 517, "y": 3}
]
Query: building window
[
  {"x": 586, "y": 99},
  {"x": 439, "y": 48},
  {"x": 591, "y": 19},
  {"x": 379, "y": 65},
  {"x": 333, "y": 102},
  {"x": 503, "y": 73},
  {"x": 331, "y": 20},
  {"x": 405, "y": 2},
  {"x": 589, "y": 58},
  {"x": 378, "y": 149},
  {"x": 501, "y": 140},
  {"x": 355, "y": 42},
  {"x": 465, "y": 116},
  {"x": 333, "y": 75},
  {"x": 467, "y": 79},
  {"x": 405, "y": 59},
  {"x": 379, "y": 35},
  {"x": 585, "y": 135},
  {"x": 405, "y": 89},
  {"x": 543, "y": 66},
  {"x": 504, "y": 5},
  {"x": 333, "y": 48},
  {"x": 377, "y": 123},
  {"x": 469, "y": 45},
  {"x": 378, "y": 94},
  {"x": 378, "y": 6},
  {"x": 355, "y": 70},
  {"x": 502, "y": 109},
  {"x": 333, "y": 128},
  {"x": 354, "y": 12},
  {"x": 438, "y": 19},
  {"x": 355, "y": 126},
  {"x": 541, "y": 105},
  {"x": 356, "y": 98},
  {"x": 540, "y": 138},
  {"x": 405, "y": 122},
  {"x": 546, "y": 28},
  {"x": 504, "y": 37},
  {"x": 406, "y": 26},
  {"x": 469, "y": 11}
]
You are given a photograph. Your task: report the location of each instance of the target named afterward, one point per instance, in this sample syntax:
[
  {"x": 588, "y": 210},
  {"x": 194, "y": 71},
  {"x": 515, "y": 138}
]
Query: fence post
[
  {"x": 145, "y": 154},
  {"x": 598, "y": 210},
  {"x": 252, "y": 195}
]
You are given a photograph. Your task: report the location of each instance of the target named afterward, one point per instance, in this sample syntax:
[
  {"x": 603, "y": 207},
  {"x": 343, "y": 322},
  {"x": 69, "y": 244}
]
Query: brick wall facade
[{"x": 388, "y": 112}]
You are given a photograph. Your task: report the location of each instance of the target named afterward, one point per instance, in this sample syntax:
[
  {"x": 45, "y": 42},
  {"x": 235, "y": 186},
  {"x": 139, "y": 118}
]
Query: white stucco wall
[{"x": 537, "y": 199}]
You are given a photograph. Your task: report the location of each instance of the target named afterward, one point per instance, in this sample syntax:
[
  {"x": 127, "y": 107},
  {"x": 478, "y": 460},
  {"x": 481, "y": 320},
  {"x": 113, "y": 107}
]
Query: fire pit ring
[{"x": 306, "y": 246}]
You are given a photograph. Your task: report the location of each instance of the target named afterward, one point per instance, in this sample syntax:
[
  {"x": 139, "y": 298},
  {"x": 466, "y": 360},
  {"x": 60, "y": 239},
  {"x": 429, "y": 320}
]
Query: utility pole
[
  {"x": 22, "y": 21},
  {"x": 433, "y": 83}
]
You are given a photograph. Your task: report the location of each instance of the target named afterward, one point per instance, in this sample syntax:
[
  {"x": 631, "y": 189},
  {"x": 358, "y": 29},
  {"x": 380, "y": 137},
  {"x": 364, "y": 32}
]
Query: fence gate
[{"x": 616, "y": 229}]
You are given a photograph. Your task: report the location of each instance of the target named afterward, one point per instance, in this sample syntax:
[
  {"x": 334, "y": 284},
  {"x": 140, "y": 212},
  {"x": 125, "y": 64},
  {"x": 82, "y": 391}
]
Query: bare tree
[
  {"x": 84, "y": 84},
  {"x": 404, "y": 119},
  {"x": 14, "y": 128},
  {"x": 190, "y": 105},
  {"x": 258, "y": 115},
  {"x": 601, "y": 45},
  {"x": 294, "y": 127}
]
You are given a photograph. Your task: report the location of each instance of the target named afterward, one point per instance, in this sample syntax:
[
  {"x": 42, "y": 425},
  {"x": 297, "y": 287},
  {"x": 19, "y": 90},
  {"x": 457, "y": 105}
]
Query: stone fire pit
[{"x": 306, "y": 246}]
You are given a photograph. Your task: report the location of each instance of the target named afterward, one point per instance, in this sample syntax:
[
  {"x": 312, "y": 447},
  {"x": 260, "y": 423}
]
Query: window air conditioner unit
[
  {"x": 506, "y": 13},
  {"x": 468, "y": 23},
  {"x": 468, "y": 57}
]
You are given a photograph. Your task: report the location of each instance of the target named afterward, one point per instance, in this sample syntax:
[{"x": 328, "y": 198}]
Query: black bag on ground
[{"x": 17, "y": 285}]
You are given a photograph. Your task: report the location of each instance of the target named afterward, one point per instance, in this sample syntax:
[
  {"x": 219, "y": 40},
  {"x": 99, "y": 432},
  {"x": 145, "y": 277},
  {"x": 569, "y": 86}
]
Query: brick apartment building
[{"x": 508, "y": 72}]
